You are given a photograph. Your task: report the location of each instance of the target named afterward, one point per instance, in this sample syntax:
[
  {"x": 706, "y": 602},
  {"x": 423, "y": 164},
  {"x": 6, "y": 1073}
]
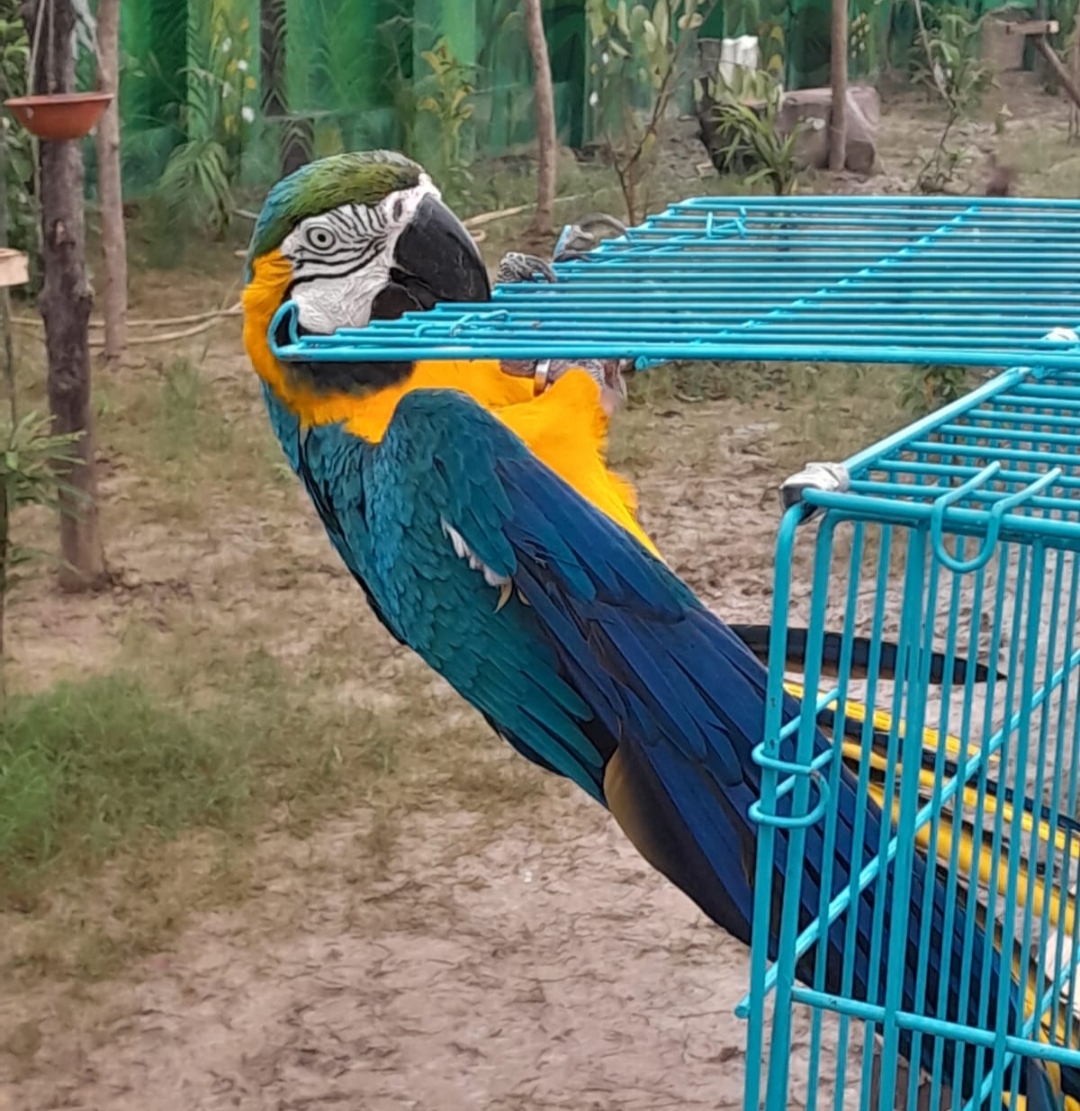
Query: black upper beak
[{"x": 435, "y": 259}]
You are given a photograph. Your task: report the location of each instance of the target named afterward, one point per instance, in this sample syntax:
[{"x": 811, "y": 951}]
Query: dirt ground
[
  {"x": 547, "y": 967},
  {"x": 534, "y": 962}
]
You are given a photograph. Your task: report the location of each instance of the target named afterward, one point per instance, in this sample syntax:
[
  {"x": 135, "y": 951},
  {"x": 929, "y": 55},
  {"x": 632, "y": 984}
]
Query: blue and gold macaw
[{"x": 526, "y": 581}]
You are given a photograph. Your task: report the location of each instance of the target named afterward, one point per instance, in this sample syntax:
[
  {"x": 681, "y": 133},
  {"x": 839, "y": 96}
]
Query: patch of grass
[
  {"x": 196, "y": 775},
  {"x": 188, "y": 436},
  {"x": 1048, "y": 162},
  {"x": 92, "y": 925},
  {"x": 188, "y": 421},
  {"x": 829, "y": 411},
  {"x": 705, "y": 381},
  {"x": 85, "y": 767},
  {"x": 89, "y": 770},
  {"x": 495, "y": 781},
  {"x": 661, "y": 392}
]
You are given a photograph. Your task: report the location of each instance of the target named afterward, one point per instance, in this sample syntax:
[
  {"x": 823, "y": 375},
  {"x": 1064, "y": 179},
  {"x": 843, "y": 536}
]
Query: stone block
[{"x": 813, "y": 107}]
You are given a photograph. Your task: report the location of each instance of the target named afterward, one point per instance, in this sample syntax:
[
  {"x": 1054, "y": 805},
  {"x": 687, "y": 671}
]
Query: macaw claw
[
  {"x": 607, "y": 373},
  {"x": 518, "y": 267},
  {"x": 505, "y": 591}
]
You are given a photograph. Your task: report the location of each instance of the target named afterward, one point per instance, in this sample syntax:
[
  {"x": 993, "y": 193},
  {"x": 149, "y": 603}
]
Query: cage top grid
[
  {"x": 934, "y": 280},
  {"x": 1002, "y": 461}
]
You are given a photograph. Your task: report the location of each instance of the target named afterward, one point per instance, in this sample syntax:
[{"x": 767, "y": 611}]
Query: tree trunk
[
  {"x": 1074, "y": 66},
  {"x": 545, "y": 117},
  {"x": 272, "y": 58},
  {"x": 839, "y": 67},
  {"x": 110, "y": 191},
  {"x": 65, "y": 306}
]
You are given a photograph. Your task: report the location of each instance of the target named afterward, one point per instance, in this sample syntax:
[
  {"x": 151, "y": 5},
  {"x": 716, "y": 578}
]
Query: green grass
[
  {"x": 178, "y": 783},
  {"x": 85, "y": 766},
  {"x": 188, "y": 421},
  {"x": 170, "y": 419},
  {"x": 180, "y": 427},
  {"x": 89, "y": 770}
]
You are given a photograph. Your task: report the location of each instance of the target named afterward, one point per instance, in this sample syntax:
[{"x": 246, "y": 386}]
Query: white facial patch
[
  {"x": 341, "y": 259},
  {"x": 326, "y": 304}
]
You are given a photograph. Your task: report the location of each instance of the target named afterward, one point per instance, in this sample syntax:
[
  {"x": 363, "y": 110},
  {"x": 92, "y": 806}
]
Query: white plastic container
[{"x": 738, "y": 54}]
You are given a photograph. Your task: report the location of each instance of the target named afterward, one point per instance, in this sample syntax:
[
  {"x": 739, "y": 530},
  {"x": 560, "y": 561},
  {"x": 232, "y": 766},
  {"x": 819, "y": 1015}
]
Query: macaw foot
[
  {"x": 576, "y": 242},
  {"x": 607, "y": 373},
  {"x": 516, "y": 267},
  {"x": 578, "y": 239}
]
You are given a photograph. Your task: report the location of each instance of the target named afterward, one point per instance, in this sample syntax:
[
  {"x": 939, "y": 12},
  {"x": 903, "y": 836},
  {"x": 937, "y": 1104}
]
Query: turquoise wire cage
[{"x": 959, "y": 534}]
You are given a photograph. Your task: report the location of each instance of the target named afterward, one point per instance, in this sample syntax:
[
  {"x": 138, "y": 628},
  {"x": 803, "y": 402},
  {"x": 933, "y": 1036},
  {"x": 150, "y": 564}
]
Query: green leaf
[
  {"x": 662, "y": 21},
  {"x": 596, "y": 13}
]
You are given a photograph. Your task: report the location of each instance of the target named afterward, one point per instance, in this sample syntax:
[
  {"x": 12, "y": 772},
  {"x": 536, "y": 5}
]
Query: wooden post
[
  {"x": 546, "y": 136},
  {"x": 65, "y": 300},
  {"x": 110, "y": 188},
  {"x": 839, "y": 71},
  {"x": 1043, "y": 45},
  {"x": 1074, "y": 108}
]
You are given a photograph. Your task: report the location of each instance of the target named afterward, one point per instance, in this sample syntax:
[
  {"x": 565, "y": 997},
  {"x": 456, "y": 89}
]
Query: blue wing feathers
[
  {"x": 698, "y": 709},
  {"x": 614, "y": 652}
]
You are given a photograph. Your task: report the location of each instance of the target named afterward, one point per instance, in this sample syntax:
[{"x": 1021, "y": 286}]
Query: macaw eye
[{"x": 321, "y": 239}]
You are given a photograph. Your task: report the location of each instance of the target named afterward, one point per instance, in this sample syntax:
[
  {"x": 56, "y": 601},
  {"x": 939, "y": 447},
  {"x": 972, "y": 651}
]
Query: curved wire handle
[
  {"x": 997, "y": 512},
  {"x": 785, "y": 767}
]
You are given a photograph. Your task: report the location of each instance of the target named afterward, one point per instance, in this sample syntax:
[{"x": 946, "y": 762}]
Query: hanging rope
[
  {"x": 200, "y": 322},
  {"x": 39, "y": 23},
  {"x": 50, "y": 54}
]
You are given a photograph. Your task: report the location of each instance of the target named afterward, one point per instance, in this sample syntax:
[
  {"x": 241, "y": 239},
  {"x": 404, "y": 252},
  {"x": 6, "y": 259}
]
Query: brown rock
[{"x": 813, "y": 107}]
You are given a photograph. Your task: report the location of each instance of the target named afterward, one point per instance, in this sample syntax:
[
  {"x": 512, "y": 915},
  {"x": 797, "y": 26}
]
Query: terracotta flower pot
[{"x": 61, "y": 115}]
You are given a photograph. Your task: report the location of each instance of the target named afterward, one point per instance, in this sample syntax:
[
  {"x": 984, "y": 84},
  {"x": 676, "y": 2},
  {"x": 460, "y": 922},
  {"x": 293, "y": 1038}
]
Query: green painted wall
[{"x": 355, "y": 68}]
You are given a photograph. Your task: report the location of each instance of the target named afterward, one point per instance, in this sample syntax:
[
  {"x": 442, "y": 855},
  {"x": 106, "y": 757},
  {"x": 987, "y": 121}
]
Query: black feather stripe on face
[
  {"x": 356, "y": 177},
  {"x": 337, "y": 243}
]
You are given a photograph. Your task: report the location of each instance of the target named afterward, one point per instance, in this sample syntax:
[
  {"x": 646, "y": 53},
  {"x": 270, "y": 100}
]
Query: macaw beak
[{"x": 435, "y": 259}]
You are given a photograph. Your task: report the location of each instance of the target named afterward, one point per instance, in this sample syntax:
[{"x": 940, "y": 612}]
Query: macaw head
[{"x": 350, "y": 239}]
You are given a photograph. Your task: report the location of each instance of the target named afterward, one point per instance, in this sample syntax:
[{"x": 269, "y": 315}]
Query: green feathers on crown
[{"x": 359, "y": 177}]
